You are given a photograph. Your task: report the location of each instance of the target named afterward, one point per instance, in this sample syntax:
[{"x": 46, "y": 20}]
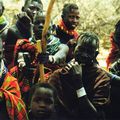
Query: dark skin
[
  {"x": 42, "y": 103},
  {"x": 71, "y": 19},
  {"x": 81, "y": 74},
  {"x": 22, "y": 28},
  {"x": 32, "y": 9},
  {"x": 38, "y": 26}
]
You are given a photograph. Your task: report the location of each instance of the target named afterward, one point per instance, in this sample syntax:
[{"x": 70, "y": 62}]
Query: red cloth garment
[
  {"x": 10, "y": 91},
  {"x": 22, "y": 80},
  {"x": 113, "y": 52}
]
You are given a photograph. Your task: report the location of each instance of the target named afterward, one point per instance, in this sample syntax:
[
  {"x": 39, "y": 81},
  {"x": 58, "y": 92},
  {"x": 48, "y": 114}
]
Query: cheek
[
  {"x": 51, "y": 108},
  {"x": 33, "y": 106}
]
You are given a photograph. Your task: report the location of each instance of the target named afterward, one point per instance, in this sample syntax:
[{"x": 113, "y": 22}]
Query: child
[{"x": 42, "y": 102}]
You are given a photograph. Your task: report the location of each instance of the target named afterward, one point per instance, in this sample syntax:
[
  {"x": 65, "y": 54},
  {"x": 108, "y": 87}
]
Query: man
[
  {"x": 11, "y": 104},
  {"x": 21, "y": 29},
  {"x": 83, "y": 87}
]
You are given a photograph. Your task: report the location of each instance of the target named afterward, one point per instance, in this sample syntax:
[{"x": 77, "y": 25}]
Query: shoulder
[{"x": 102, "y": 75}]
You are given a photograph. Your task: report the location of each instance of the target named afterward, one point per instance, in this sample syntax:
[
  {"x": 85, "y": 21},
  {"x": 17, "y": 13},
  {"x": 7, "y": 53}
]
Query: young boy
[{"x": 42, "y": 102}]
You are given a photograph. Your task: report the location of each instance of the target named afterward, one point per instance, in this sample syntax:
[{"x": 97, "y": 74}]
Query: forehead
[
  {"x": 73, "y": 12},
  {"x": 43, "y": 92},
  {"x": 35, "y": 4}
]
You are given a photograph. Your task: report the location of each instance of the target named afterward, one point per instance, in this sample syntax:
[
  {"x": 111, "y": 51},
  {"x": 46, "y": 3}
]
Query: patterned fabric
[
  {"x": 14, "y": 104},
  {"x": 24, "y": 80},
  {"x": 25, "y": 45},
  {"x": 52, "y": 44}
]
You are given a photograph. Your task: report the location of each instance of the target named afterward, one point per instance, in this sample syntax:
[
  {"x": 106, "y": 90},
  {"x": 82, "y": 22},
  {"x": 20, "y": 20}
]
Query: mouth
[
  {"x": 74, "y": 25},
  {"x": 42, "y": 111}
]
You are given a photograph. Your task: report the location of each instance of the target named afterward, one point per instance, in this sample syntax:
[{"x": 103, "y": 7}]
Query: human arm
[
  {"x": 57, "y": 52},
  {"x": 60, "y": 55},
  {"x": 72, "y": 74}
]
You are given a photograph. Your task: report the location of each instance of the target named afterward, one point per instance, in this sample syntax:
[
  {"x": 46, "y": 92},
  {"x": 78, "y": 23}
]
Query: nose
[
  {"x": 42, "y": 104},
  {"x": 76, "y": 20}
]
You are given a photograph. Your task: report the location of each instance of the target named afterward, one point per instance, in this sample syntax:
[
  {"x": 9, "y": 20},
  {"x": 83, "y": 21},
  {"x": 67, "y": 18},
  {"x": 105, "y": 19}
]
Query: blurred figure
[
  {"x": 22, "y": 28},
  {"x": 113, "y": 65}
]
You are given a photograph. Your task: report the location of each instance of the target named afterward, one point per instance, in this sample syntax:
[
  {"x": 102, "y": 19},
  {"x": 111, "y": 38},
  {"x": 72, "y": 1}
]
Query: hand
[
  {"x": 43, "y": 58},
  {"x": 24, "y": 18},
  {"x": 73, "y": 73},
  {"x": 72, "y": 42},
  {"x": 115, "y": 68}
]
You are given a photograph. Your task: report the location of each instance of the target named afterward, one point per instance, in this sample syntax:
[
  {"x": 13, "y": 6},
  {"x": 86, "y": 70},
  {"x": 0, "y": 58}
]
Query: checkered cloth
[{"x": 10, "y": 91}]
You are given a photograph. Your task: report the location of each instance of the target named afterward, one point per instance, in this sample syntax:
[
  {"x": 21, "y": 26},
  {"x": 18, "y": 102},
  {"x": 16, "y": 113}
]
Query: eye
[
  {"x": 49, "y": 101},
  {"x": 73, "y": 16}
]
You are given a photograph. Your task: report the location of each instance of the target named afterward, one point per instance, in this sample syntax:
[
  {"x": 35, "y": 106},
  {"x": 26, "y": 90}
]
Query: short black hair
[
  {"x": 40, "y": 85},
  {"x": 27, "y": 2},
  {"x": 67, "y": 8},
  {"x": 89, "y": 39}
]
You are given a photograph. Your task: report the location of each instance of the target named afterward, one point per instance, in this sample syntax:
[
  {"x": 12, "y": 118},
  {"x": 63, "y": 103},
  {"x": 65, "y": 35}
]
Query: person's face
[
  {"x": 1, "y": 9},
  {"x": 38, "y": 26},
  {"x": 84, "y": 54},
  {"x": 71, "y": 19},
  {"x": 33, "y": 8},
  {"x": 42, "y": 103}
]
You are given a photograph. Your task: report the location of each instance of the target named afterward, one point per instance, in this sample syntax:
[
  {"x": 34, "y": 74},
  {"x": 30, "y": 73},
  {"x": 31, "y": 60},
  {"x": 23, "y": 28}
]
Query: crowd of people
[{"x": 75, "y": 86}]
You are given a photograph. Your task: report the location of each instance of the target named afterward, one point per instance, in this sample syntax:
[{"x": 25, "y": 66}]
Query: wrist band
[{"x": 81, "y": 92}]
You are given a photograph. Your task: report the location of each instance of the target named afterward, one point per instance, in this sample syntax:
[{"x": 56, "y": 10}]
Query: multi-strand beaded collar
[{"x": 64, "y": 28}]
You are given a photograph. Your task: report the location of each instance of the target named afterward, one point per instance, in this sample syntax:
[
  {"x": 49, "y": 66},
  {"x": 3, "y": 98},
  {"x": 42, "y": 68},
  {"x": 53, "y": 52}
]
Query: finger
[
  {"x": 67, "y": 68},
  {"x": 70, "y": 65}
]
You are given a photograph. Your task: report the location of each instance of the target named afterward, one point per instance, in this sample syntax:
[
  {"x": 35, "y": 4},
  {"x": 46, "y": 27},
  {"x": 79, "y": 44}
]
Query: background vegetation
[{"x": 99, "y": 16}]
